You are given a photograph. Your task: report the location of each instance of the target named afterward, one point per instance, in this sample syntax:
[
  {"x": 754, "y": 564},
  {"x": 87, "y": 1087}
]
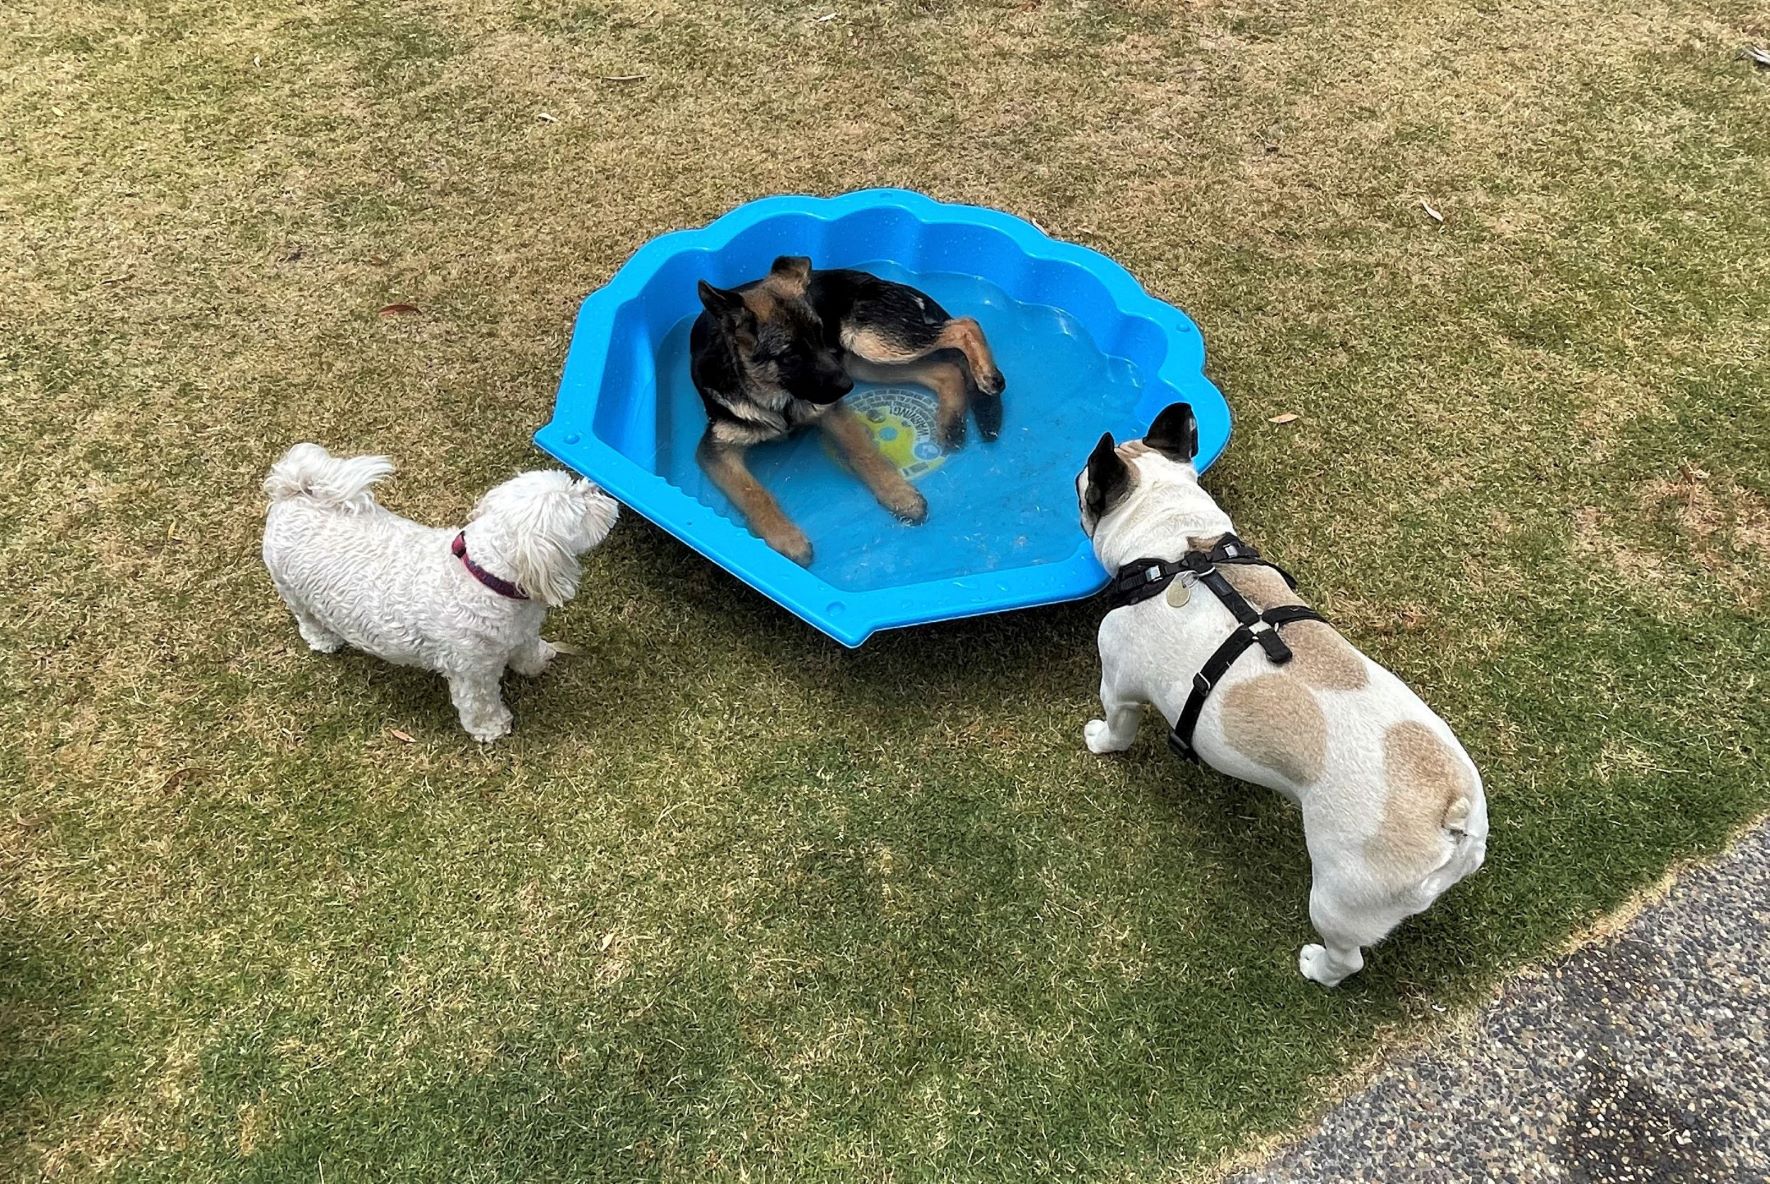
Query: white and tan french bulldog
[{"x": 1393, "y": 812}]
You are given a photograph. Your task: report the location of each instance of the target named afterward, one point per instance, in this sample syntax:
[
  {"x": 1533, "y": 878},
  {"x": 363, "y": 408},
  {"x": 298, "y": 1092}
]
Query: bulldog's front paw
[
  {"x": 1099, "y": 738},
  {"x": 1317, "y": 967}
]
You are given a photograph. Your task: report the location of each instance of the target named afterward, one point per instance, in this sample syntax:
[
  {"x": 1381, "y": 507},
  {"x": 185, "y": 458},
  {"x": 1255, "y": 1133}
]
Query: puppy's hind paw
[
  {"x": 988, "y": 411},
  {"x": 950, "y": 434},
  {"x": 1098, "y": 738}
]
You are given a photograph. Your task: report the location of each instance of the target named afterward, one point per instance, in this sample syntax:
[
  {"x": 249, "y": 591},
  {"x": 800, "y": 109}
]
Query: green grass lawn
[{"x": 735, "y": 903}]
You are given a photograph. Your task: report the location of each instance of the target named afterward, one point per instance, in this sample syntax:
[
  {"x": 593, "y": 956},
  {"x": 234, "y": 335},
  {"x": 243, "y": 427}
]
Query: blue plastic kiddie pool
[{"x": 1085, "y": 350}]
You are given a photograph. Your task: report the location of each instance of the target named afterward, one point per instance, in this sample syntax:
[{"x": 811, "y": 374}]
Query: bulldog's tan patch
[
  {"x": 1426, "y": 789},
  {"x": 1274, "y": 721},
  {"x": 1132, "y": 449},
  {"x": 1321, "y": 657}
]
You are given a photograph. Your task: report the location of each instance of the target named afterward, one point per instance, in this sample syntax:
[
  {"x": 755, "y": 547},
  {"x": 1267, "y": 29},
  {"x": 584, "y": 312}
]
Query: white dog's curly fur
[{"x": 356, "y": 574}]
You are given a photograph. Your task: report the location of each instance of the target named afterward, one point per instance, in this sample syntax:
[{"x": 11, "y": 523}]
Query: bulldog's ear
[
  {"x": 794, "y": 269},
  {"x": 1174, "y": 433},
  {"x": 1109, "y": 478}
]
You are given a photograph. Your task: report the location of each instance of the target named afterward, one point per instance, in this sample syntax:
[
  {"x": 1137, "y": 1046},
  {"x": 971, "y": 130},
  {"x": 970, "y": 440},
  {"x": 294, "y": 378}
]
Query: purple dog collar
[{"x": 501, "y": 586}]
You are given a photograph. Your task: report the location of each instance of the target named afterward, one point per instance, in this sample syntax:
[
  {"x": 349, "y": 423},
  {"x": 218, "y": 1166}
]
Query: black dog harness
[{"x": 1142, "y": 579}]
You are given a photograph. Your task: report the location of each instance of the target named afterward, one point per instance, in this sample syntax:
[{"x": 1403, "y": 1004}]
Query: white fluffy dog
[
  {"x": 1393, "y": 811},
  {"x": 465, "y": 603}
]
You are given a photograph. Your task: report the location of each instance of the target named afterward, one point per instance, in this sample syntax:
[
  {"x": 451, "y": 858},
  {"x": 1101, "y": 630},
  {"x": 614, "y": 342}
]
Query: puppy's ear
[
  {"x": 1109, "y": 478},
  {"x": 795, "y": 269},
  {"x": 721, "y": 302},
  {"x": 1174, "y": 433}
]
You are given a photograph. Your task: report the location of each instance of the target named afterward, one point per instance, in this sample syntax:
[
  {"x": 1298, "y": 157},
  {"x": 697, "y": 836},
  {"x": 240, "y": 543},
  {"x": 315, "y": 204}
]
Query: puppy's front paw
[
  {"x": 991, "y": 383},
  {"x": 1099, "y": 739},
  {"x": 909, "y": 506},
  {"x": 792, "y": 543}
]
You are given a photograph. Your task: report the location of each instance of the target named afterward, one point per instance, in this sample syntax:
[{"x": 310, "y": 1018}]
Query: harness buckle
[{"x": 1276, "y": 650}]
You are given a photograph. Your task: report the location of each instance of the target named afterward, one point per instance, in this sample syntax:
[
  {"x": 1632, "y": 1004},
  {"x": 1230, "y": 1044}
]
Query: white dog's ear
[
  {"x": 1174, "y": 433},
  {"x": 543, "y": 567},
  {"x": 599, "y": 511},
  {"x": 536, "y": 528}
]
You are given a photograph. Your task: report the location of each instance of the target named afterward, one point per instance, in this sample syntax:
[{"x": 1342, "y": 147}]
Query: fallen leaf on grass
[
  {"x": 1287, "y": 417},
  {"x": 1427, "y": 206},
  {"x": 402, "y": 737},
  {"x": 608, "y": 939},
  {"x": 546, "y": 117},
  {"x": 395, "y": 310},
  {"x": 1755, "y": 54},
  {"x": 566, "y": 648},
  {"x": 828, "y": 16},
  {"x": 113, "y": 281}
]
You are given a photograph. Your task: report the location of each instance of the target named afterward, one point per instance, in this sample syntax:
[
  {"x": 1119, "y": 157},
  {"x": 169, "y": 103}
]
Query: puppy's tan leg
[
  {"x": 945, "y": 379},
  {"x": 724, "y": 463},
  {"x": 846, "y": 432},
  {"x": 966, "y": 336}
]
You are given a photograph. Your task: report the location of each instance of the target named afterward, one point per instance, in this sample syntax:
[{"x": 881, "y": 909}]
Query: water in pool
[{"x": 990, "y": 505}]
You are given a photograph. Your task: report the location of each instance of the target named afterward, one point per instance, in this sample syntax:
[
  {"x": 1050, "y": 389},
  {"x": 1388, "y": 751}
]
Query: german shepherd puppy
[{"x": 776, "y": 354}]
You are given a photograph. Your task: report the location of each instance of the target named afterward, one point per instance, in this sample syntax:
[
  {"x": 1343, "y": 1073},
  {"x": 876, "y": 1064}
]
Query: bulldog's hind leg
[{"x": 1347, "y": 923}]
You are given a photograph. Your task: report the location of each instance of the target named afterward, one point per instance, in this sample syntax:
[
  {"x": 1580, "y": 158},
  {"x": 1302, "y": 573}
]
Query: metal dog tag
[{"x": 1179, "y": 592}]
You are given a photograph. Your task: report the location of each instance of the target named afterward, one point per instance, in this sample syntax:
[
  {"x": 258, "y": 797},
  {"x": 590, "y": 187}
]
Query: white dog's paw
[
  {"x": 494, "y": 729},
  {"x": 1099, "y": 737},
  {"x": 320, "y": 641},
  {"x": 535, "y": 660},
  {"x": 1317, "y": 967}
]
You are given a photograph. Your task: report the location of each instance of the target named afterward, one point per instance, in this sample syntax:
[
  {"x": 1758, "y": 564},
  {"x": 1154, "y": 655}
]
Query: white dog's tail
[{"x": 341, "y": 483}]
